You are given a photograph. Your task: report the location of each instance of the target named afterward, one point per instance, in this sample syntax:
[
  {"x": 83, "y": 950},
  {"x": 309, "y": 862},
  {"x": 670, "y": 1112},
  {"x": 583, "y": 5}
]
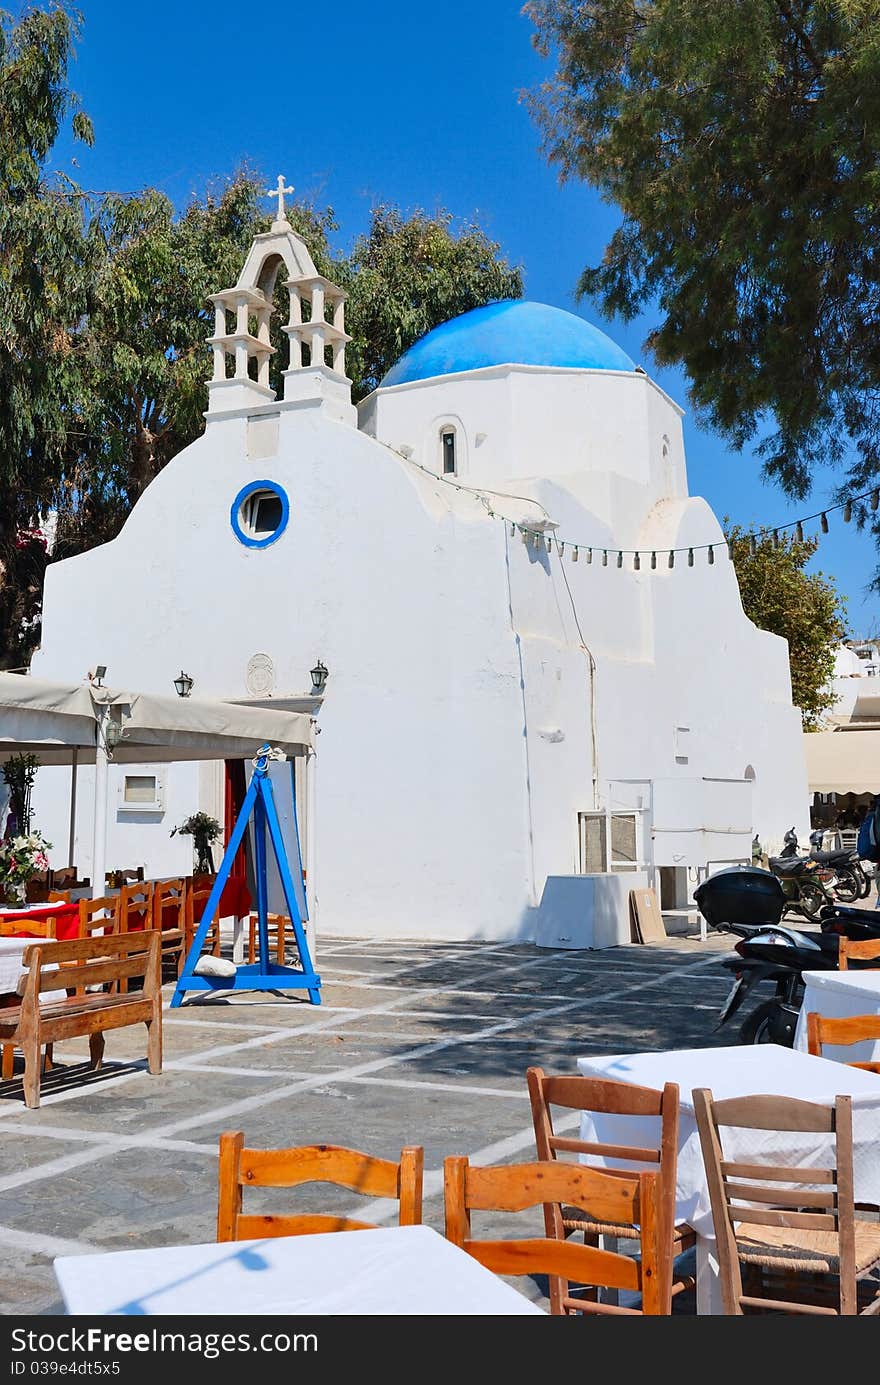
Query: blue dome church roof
[{"x": 509, "y": 333}]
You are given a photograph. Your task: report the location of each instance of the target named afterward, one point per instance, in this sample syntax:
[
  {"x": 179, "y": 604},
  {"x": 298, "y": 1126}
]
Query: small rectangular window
[
  {"x": 140, "y": 788},
  {"x": 448, "y": 441}
]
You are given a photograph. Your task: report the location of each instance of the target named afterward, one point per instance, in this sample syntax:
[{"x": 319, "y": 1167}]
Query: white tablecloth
[
  {"x": 392, "y": 1271},
  {"x": 838, "y": 994},
  {"x": 729, "y": 1072},
  {"x": 11, "y": 950}
]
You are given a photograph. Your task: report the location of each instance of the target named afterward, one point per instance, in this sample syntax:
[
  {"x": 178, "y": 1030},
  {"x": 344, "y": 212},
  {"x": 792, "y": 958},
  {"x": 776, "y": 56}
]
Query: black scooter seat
[
  {"x": 787, "y": 865},
  {"x": 831, "y": 858}
]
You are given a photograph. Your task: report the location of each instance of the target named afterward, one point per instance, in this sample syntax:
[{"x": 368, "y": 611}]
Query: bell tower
[{"x": 241, "y": 343}]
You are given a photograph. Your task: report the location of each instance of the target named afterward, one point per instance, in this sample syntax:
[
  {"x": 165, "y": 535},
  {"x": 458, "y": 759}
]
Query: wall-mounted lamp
[
  {"x": 319, "y": 675},
  {"x": 184, "y": 684},
  {"x": 112, "y": 734}
]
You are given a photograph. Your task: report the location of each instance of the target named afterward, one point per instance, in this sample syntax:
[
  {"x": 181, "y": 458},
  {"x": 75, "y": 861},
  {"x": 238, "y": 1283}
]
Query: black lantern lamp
[
  {"x": 184, "y": 684},
  {"x": 319, "y": 675}
]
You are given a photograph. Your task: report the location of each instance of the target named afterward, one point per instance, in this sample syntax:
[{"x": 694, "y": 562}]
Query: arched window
[{"x": 448, "y": 464}]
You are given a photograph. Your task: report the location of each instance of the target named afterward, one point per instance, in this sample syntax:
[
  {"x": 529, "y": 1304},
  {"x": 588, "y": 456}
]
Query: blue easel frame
[{"x": 263, "y": 975}]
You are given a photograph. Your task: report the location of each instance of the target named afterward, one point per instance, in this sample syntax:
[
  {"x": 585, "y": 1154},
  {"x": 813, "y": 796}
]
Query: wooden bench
[{"x": 77, "y": 966}]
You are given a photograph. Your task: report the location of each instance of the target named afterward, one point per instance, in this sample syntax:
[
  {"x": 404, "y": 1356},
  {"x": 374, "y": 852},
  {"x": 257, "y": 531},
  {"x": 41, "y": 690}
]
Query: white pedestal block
[{"x": 587, "y": 911}]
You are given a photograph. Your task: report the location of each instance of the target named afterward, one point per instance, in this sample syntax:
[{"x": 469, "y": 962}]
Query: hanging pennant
[
  {"x": 711, "y": 555},
  {"x": 799, "y": 532},
  {"x": 604, "y": 557},
  {"x": 589, "y": 555},
  {"x": 653, "y": 560},
  {"x": 847, "y": 512},
  {"x": 620, "y": 559},
  {"x": 823, "y": 523},
  {"x": 753, "y": 545},
  {"x": 690, "y": 557},
  {"x": 672, "y": 557},
  {"x": 574, "y": 554},
  {"x": 637, "y": 563},
  {"x": 875, "y": 501}
]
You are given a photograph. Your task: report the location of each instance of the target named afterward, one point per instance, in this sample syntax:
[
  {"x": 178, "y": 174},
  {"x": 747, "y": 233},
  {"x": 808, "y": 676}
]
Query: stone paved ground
[{"x": 414, "y": 1043}]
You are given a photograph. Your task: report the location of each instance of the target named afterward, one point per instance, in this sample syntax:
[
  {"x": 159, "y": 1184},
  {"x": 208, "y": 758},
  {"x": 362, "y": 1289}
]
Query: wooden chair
[
  {"x": 98, "y": 916},
  {"x": 135, "y": 910},
  {"x": 198, "y": 892},
  {"x": 65, "y": 879},
  {"x": 278, "y": 925},
  {"x": 796, "y": 1224},
  {"x": 850, "y": 951},
  {"x": 169, "y": 915},
  {"x": 593, "y": 1094},
  {"x": 616, "y": 1198},
  {"x": 288, "y": 1168},
  {"x": 37, "y": 888},
  {"x": 849, "y": 1029}
]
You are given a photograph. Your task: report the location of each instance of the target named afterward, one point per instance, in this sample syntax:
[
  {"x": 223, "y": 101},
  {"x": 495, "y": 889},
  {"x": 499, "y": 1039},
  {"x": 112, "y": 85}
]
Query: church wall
[
  {"x": 421, "y": 812},
  {"x": 534, "y": 422}
]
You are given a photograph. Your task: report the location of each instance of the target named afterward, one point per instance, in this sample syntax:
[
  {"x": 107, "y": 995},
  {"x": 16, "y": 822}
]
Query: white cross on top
[{"x": 279, "y": 192}]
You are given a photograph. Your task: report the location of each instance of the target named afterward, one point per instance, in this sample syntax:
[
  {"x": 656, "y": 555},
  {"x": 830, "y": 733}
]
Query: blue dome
[{"x": 508, "y": 333}]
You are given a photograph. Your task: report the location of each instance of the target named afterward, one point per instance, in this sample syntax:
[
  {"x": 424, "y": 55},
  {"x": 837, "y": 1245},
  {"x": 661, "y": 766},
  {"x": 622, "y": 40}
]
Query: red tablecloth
[{"x": 66, "y": 916}]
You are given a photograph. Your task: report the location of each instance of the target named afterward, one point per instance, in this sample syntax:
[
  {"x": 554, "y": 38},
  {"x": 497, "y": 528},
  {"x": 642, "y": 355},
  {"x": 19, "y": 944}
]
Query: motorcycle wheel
[
  {"x": 864, "y": 885},
  {"x": 756, "y": 1028},
  {"x": 847, "y": 888},
  {"x": 812, "y": 898}
]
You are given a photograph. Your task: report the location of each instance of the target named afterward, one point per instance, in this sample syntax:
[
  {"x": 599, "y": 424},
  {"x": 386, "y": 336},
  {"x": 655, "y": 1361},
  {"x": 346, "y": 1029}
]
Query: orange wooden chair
[
  {"x": 277, "y": 924},
  {"x": 601, "y": 1095},
  {"x": 169, "y": 915},
  {"x": 850, "y": 951},
  {"x": 289, "y": 1168},
  {"x": 616, "y": 1198},
  {"x": 849, "y": 1029},
  {"x": 198, "y": 892}
]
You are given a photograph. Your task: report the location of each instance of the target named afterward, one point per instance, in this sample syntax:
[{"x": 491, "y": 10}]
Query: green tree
[
  {"x": 806, "y": 609},
  {"x": 741, "y": 142},
  {"x": 47, "y": 257},
  {"x": 407, "y": 275}
]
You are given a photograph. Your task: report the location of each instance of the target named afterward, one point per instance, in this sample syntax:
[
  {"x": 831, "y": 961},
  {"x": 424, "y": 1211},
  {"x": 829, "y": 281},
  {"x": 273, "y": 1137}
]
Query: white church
[{"x": 538, "y": 669}]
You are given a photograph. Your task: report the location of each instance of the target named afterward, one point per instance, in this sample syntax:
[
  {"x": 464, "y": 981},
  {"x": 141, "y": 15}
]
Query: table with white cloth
[
  {"x": 11, "y": 952},
  {"x": 839, "y": 994},
  {"x": 733, "y": 1072},
  {"x": 391, "y": 1271}
]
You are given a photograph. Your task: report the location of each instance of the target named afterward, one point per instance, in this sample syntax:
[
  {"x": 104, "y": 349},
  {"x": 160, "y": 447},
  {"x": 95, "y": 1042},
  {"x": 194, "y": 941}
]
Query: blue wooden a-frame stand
[{"x": 264, "y": 975}]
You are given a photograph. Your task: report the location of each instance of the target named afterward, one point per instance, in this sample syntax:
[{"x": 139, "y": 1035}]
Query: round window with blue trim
[{"x": 259, "y": 514}]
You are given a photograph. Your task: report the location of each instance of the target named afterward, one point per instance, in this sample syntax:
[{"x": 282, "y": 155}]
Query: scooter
[
  {"x": 748, "y": 902},
  {"x": 780, "y": 955}
]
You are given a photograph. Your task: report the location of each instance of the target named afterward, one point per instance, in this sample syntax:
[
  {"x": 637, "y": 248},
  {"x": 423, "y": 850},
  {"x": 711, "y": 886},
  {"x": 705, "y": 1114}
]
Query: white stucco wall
[{"x": 482, "y": 692}]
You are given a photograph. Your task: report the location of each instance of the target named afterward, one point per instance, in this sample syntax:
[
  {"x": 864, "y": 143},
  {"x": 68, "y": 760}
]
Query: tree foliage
[
  {"x": 804, "y": 608},
  {"x": 47, "y": 262},
  {"x": 104, "y": 316},
  {"x": 742, "y": 143}
]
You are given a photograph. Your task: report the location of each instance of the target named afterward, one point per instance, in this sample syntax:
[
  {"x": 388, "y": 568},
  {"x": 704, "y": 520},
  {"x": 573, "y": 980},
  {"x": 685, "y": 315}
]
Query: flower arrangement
[
  {"x": 204, "y": 830},
  {"x": 20, "y": 860}
]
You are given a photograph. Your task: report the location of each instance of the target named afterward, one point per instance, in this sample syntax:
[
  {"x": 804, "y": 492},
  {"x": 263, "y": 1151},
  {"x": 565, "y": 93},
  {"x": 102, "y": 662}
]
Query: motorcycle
[
  {"x": 749, "y": 902},
  {"x": 803, "y": 888},
  {"x": 852, "y": 881}
]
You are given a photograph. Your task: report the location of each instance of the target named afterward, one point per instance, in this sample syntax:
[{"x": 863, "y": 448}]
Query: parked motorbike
[
  {"x": 749, "y": 902},
  {"x": 801, "y": 879},
  {"x": 852, "y": 881}
]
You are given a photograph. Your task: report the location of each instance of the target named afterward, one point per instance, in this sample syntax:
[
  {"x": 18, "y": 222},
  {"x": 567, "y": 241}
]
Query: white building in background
[{"x": 520, "y": 687}]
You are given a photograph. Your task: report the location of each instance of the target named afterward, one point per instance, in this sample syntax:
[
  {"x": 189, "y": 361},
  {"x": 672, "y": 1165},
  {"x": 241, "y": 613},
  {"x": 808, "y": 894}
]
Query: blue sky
[{"x": 398, "y": 102}]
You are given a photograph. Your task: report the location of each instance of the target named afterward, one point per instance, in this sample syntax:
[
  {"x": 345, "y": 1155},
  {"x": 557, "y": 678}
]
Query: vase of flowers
[
  {"x": 204, "y": 831},
  {"x": 20, "y": 859}
]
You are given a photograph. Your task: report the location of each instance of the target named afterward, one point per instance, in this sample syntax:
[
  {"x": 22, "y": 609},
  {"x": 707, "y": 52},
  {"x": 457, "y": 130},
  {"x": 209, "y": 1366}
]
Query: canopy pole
[
  {"x": 99, "y": 834},
  {"x": 71, "y": 841},
  {"x": 311, "y": 768}
]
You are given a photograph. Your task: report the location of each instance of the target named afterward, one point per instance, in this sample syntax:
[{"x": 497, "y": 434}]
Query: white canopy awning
[
  {"x": 843, "y": 762},
  {"x": 54, "y": 719}
]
